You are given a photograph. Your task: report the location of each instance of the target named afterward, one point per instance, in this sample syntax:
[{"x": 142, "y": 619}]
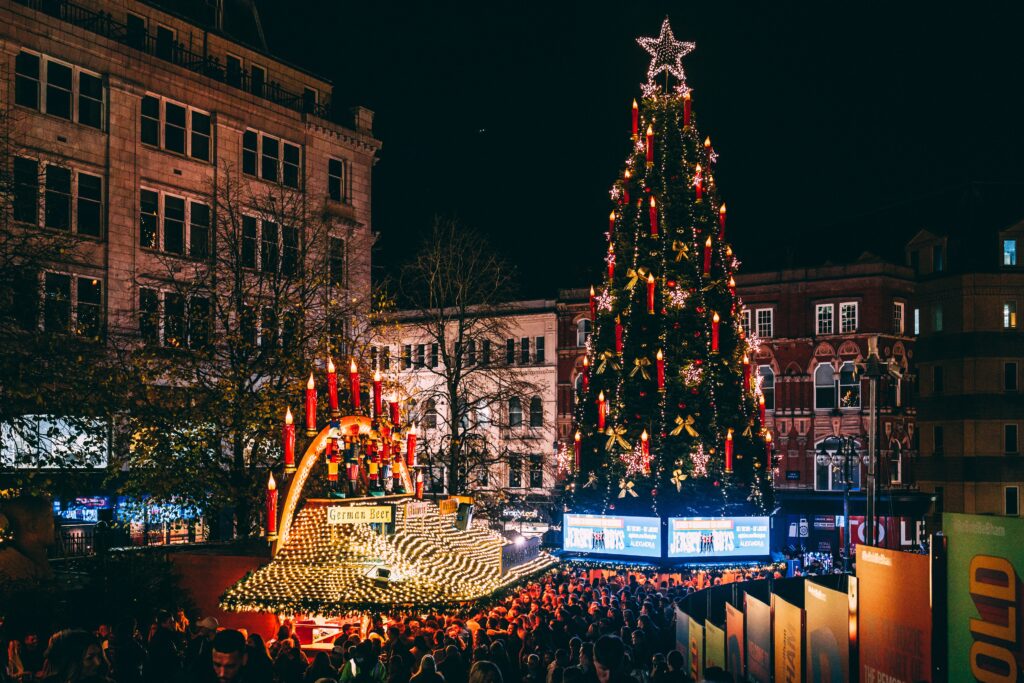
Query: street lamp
[{"x": 842, "y": 458}]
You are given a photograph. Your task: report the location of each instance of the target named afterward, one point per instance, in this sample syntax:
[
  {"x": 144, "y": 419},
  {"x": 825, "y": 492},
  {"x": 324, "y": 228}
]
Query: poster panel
[
  {"x": 734, "y": 642},
  {"x": 759, "y": 639},
  {"x": 612, "y": 535},
  {"x": 788, "y": 633},
  {"x": 704, "y": 537},
  {"x": 895, "y": 620},
  {"x": 696, "y": 650},
  {"x": 828, "y": 634},
  {"x": 985, "y": 556},
  {"x": 683, "y": 636},
  {"x": 714, "y": 646}
]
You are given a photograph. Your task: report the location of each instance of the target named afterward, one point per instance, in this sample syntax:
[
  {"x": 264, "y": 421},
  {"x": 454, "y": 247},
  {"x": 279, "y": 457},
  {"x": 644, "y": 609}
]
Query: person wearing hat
[{"x": 198, "y": 654}]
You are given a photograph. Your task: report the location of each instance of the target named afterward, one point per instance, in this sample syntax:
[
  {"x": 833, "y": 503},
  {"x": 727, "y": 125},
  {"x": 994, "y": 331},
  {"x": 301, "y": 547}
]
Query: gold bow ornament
[
  {"x": 607, "y": 358},
  {"x": 634, "y": 276},
  {"x": 615, "y": 435},
  {"x": 682, "y": 424},
  {"x": 681, "y": 249},
  {"x": 640, "y": 365},
  {"x": 747, "y": 432},
  {"x": 678, "y": 477},
  {"x": 626, "y": 487},
  {"x": 591, "y": 480}
]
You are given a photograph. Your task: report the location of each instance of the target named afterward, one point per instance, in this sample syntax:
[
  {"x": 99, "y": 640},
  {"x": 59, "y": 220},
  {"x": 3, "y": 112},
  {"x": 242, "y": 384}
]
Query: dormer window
[{"x": 1010, "y": 253}]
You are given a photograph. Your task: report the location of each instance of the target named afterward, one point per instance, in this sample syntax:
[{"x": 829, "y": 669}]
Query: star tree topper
[{"x": 667, "y": 54}]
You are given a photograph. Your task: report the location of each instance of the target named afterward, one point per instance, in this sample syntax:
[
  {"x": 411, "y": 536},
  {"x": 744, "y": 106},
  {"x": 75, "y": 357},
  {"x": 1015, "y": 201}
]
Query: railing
[{"x": 104, "y": 24}]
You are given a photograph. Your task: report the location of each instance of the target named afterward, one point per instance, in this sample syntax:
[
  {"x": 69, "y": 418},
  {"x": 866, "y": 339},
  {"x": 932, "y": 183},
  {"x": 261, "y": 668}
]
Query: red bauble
[
  {"x": 716, "y": 483},
  {"x": 671, "y": 283},
  {"x": 699, "y": 361},
  {"x": 694, "y": 391},
  {"x": 682, "y": 406},
  {"x": 654, "y": 493},
  {"x": 611, "y": 506},
  {"x": 643, "y": 394},
  {"x": 664, "y": 311},
  {"x": 697, "y": 333},
  {"x": 700, "y": 309},
  {"x": 675, "y": 326}
]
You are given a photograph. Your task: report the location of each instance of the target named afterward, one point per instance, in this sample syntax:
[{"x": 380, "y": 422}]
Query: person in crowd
[
  {"x": 125, "y": 656},
  {"x": 319, "y": 668},
  {"x": 227, "y": 658},
  {"x": 163, "y": 663},
  {"x": 427, "y": 672},
  {"x": 364, "y": 666},
  {"x": 291, "y": 664},
  {"x": 74, "y": 657},
  {"x": 198, "y": 652},
  {"x": 484, "y": 671},
  {"x": 609, "y": 660},
  {"x": 452, "y": 667},
  {"x": 259, "y": 668}
]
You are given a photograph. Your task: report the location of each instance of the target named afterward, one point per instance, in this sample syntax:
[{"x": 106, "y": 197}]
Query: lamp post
[{"x": 843, "y": 456}]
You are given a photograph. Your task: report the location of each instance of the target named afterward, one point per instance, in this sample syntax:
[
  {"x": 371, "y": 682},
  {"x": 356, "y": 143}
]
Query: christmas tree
[{"x": 668, "y": 418}]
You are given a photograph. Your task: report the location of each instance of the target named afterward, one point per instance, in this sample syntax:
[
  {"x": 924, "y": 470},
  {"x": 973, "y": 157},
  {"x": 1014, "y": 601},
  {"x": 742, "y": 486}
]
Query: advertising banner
[
  {"x": 683, "y": 636},
  {"x": 759, "y": 639},
  {"x": 696, "y": 650},
  {"x": 366, "y": 514},
  {"x": 612, "y": 535},
  {"x": 985, "y": 556},
  {"x": 718, "y": 536},
  {"x": 714, "y": 646},
  {"x": 788, "y": 631},
  {"x": 828, "y": 634},
  {"x": 734, "y": 642},
  {"x": 895, "y": 620}
]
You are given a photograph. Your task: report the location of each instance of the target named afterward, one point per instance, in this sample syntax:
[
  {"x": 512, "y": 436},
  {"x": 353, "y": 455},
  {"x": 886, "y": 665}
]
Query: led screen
[
  {"x": 612, "y": 535},
  {"x": 717, "y": 536}
]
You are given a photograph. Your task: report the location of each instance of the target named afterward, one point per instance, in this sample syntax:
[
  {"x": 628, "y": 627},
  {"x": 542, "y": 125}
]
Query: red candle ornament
[
  {"x": 419, "y": 486},
  {"x": 714, "y": 332},
  {"x": 586, "y": 373},
  {"x": 271, "y": 508},
  {"x": 768, "y": 450},
  {"x": 611, "y": 225},
  {"x": 732, "y": 286},
  {"x": 410, "y": 447},
  {"x": 310, "y": 406},
  {"x": 746, "y": 373},
  {"x": 707, "y": 147},
  {"x": 650, "y": 145},
  {"x": 687, "y": 103},
  {"x": 650, "y": 293},
  {"x": 611, "y": 261},
  {"x": 626, "y": 177},
  {"x": 645, "y": 445},
  {"x": 288, "y": 441},
  {"x": 618, "y": 335},
  {"x": 353, "y": 384},
  {"x": 636, "y": 119},
  {"x": 660, "y": 362},
  {"x": 654, "y": 217},
  {"x": 593, "y": 304},
  {"x": 728, "y": 452},
  {"x": 576, "y": 449},
  {"x": 332, "y": 388},
  {"x": 396, "y": 413},
  {"x": 707, "y": 256},
  {"x": 602, "y": 409},
  {"x": 698, "y": 182},
  {"x": 760, "y": 407},
  {"x": 721, "y": 221},
  {"x": 378, "y": 400}
]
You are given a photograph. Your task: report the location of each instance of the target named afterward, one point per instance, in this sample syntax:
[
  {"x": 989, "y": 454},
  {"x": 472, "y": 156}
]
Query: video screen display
[
  {"x": 718, "y": 536},
  {"x": 612, "y": 535}
]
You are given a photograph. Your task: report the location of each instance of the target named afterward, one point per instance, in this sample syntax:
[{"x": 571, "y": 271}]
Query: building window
[
  {"x": 849, "y": 386},
  {"x": 515, "y": 412},
  {"x": 471, "y": 353},
  {"x": 510, "y": 351},
  {"x": 199, "y": 230},
  {"x": 175, "y": 127},
  {"x": 309, "y": 98},
  {"x": 149, "y": 315},
  {"x": 538, "y": 350},
  {"x": 524, "y": 351},
  {"x": 78, "y": 310},
  {"x": 1009, "y": 252},
  {"x": 337, "y": 264},
  {"x": 823, "y": 314},
  {"x": 938, "y": 440},
  {"x": 89, "y": 205},
  {"x": 938, "y": 258},
  {"x": 937, "y": 318},
  {"x": 69, "y": 92},
  {"x": 435, "y": 355},
  {"x": 898, "y": 309},
  {"x": 578, "y": 383},
  {"x": 745, "y": 321},
  {"x": 26, "y": 190},
  {"x": 1010, "y": 445},
  {"x": 536, "y": 471},
  {"x": 536, "y": 412},
  {"x": 72, "y": 200},
  {"x": 824, "y": 386},
  {"x": 257, "y": 79},
  {"x": 166, "y": 223},
  {"x": 1010, "y": 315},
  {"x": 485, "y": 353},
  {"x": 430, "y": 414},
  {"x": 279, "y": 161},
  {"x": 1011, "y": 501},
  {"x": 582, "y": 331},
  {"x": 765, "y": 323},
  {"x": 515, "y": 472},
  {"x": 848, "y": 317},
  {"x": 233, "y": 70},
  {"x": 171, "y": 320},
  {"x": 830, "y": 477},
  {"x": 767, "y": 386},
  {"x": 337, "y": 180},
  {"x": 420, "y": 359},
  {"x": 164, "y": 43},
  {"x": 1010, "y": 376},
  {"x": 938, "y": 380},
  {"x": 917, "y": 321},
  {"x": 270, "y": 250},
  {"x": 57, "y": 207},
  {"x": 407, "y": 356}
]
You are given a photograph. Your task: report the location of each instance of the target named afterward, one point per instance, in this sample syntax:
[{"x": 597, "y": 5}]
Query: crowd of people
[{"x": 571, "y": 626}]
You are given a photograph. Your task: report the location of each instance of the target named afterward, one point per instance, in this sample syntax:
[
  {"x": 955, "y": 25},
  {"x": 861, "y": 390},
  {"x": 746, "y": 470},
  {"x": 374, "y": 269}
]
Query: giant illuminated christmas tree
[{"x": 668, "y": 418}]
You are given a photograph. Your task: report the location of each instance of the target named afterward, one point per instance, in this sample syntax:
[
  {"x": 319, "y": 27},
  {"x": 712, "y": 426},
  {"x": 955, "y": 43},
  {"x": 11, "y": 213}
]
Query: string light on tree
[
  {"x": 667, "y": 55},
  {"x": 700, "y": 461}
]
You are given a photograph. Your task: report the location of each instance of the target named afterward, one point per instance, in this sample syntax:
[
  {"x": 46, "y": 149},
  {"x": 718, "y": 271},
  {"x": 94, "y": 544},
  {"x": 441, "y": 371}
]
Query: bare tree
[
  {"x": 231, "y": 336},
  {"x": 454, "y": 297}
]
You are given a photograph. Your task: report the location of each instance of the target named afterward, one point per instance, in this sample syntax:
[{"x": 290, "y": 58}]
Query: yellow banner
[{"x": 367, "y": 514}]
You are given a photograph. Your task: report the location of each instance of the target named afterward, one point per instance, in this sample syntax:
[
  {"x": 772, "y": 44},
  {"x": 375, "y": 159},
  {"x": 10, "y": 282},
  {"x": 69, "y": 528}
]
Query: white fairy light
[
  {"x": 604, "y": 300},
  {"x": 700, "y": 461},
  {"x": 677, "y": 297},
  {"x": 692, "y": 374},
  {"x": 667, "y": 56}
]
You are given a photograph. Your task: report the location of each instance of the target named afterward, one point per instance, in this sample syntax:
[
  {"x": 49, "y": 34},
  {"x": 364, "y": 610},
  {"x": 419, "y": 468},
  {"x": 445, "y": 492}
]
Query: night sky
[{"x": 838, "y": 131}]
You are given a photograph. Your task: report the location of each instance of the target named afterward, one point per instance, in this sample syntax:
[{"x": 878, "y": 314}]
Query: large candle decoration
[
  {"x": 728, "y": 452},
  {"x": 707, "y": 256},
  {"x": 396, "y": 412},
  {"x": 654, "y": 217},
  {"x": 768, "y": 450},
  {"x": 636, "y": 119},
  {"x": 645, "y": 445},
  {"x": 410, "y": 447},
  {"x": 761, "y": 408},
  {"x": 650, "y": 293},
  {"x": 714, "y": 331},
  {"x": 586, "y": 373},
  {"x": 611, "y": 260},
  {"x": 721, "y": 221},
  {"x": 419, "y": 485},
  {"x": 732, "y": 286},
  {"x": 625, "y": 185},
  {"x": 601, "y": 410},
  {"x": 271, "y": 508},
  {"x": 288, "y": 441},
  {"x": 576, "y": 449},
  {"x": 650, "y": 145},
  {"x": 687, "y": 103},
  {"x": 332, "y": 388},
  {"x": 353, "y": 384},
  {"x": 746, "y": 373},
  {"x": 618, "y": 335},
  {"x": 378, "y": 400},
  {"x": 698, "y": 183},
  {"x": 707, "y": 147},
  {"x": 310, "y": 407},
  {"x": 611, "y": 225},
  {"x": 593, "y": 304},
  {"x": 660, "y": 362}
]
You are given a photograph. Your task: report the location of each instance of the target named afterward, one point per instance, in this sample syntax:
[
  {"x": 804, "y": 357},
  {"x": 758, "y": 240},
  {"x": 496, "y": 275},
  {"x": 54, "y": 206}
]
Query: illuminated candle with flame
[
  {"x": 310, "y": 406},
  {"x": 654, "y": 217},
  {"x": 721, "y": 221},
  {"x": 410, "y": 447},
  {"x": 602, "y": 409},
  {"x": 687, "y": 104},
  {"x": 761, "y": 408},
  {"x": 636, "y": 119},
  {"x": 707, "y": 147},
  {"x": 593, "y": 304},
  {"x": 332, "y": 388},
  {"x": 650, "y": 145},
  {"x": 576, "y": 449},
  {"x": 586, "y": 373},
  {"x": 660, "y": 362},
  {"x": 714, "y": 331},
  {"x": 645, "y": 445},
  {"x": 626, "y": 177},
  {"x": 650, "y": 293},
  {"x": 271, "y": 508},
  {"x": 698, "y": 182},
  {"x": 419, "y": 486},
  {"x": 768, "y": 450},
  {"x": 732, "y": 286},
  {"x": 728, "y": 452},
  {"x": 396, "y": 412},
  {"x": 611, "y": 225},
  {"x": 611, "y": 261},
  {"x": 353, "y": 383},
  {"x": 288, "y": 441},
  {"x": 707, "y": 256},
  {"x": 378, "y": 400},
  {"x": 618, "y": 335},
  {"x": 746, "y": 372}
]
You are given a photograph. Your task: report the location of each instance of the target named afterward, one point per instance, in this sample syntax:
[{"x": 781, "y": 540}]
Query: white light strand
[{"x": 667, "y": 56}]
